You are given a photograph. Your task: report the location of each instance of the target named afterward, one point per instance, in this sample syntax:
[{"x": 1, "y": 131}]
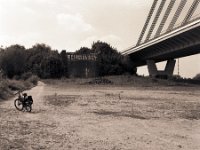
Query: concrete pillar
[
  {"x": 154, "y": 72},
  {"x": 151, "y": 65}
]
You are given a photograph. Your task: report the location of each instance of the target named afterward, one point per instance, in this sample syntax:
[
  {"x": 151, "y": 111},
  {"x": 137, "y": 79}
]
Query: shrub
[
  {"x": 7, "y": 86},
  {"x": 13, "y": 60},
  {"x": 16, "y": 85},
  {"x": 2, "y": 94},
  {"x": 16, "y": 77},
  {"x": 4, "y": 89},
  {"x": 33, "y": 79},
  {"x": 27, "y": 84},
  {"x": 197, "y": 77},
  {"x": 26, "y": 75}
]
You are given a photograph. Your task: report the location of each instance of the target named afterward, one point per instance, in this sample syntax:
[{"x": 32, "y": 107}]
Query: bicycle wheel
[{"x": 18, "y": 104}]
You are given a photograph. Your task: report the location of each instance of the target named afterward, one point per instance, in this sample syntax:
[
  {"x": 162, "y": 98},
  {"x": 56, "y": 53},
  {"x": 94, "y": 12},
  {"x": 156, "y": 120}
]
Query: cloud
[
  {"x": 28, "y": 22},
  {"x": 73, "y": 23},
  {"x": 59, "y": 21}
]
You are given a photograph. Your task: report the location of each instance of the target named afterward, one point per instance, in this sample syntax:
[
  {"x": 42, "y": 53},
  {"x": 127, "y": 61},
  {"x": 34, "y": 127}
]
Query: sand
[{"x": 103, "y": 117}]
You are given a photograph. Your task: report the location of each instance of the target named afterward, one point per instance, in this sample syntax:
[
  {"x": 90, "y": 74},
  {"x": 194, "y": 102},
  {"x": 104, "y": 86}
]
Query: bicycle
[{"x": 23, "y": 103}]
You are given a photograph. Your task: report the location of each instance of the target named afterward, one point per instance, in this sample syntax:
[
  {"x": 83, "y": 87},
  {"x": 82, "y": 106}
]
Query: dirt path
[{"x": 103, "y": 117}]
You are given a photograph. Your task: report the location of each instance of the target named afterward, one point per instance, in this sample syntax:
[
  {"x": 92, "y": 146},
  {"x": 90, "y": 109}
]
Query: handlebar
[{"x": 19, "y": 92}]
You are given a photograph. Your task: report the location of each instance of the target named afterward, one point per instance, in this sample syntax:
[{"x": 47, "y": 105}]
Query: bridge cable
[
  {"x": 166, "y": 15},
  {"x": 147, "y": 21},
  {"x": 176, "y": 15},
  {"x": 158, "y": 13},
  {"x": 191, "y": 11}
]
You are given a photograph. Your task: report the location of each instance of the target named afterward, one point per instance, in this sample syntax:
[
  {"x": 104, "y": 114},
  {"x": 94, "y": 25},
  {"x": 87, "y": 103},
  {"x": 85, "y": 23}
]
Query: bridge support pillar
[{"x": 155, "y": 73}]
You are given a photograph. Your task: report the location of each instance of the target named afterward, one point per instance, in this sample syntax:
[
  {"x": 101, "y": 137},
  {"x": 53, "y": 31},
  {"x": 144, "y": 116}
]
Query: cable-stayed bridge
[{"x": 171, "y": 31}]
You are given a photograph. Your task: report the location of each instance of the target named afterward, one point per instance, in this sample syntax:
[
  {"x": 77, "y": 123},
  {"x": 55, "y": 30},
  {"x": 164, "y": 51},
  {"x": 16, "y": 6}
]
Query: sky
[{"x": 71, "y": 24}]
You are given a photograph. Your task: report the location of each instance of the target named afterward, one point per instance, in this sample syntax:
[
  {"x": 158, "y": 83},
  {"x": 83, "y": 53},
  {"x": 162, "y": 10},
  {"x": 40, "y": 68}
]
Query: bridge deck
[
  {"x": 156, "y": 41},
  {"x": 179, "y": 43}
]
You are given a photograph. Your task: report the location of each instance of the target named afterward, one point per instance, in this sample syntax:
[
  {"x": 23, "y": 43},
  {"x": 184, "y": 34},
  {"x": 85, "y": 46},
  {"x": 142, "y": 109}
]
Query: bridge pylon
[{"x": 166, "y": 73}]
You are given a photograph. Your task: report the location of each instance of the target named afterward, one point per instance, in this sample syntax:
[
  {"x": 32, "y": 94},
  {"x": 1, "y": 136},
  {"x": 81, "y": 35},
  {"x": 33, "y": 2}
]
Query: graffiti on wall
[{"x": 82, "y": 65}]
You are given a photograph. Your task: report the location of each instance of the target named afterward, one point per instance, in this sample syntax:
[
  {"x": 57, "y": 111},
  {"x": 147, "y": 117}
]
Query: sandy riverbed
[{"x": 104, "y": 117}]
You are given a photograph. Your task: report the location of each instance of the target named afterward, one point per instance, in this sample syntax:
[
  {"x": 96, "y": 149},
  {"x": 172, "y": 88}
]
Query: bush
[
  {"x": 16, "y": 77},
  {"x": 7, "y": 86},
  {"x": 110, "y": 62},
  {"x": 16, "y": 85},
  {"x": 3, "y": 94},
  {"x": 13, "y": 60},
  {"x": 197, "y": 77},
  {"x": 4, "y": 89},
  {"x": 33, "y": 79},
  {"x": 26, "y": 75}
]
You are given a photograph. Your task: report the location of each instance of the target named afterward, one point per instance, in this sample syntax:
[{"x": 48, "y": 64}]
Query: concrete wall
[{"x": 81, "y": 66}]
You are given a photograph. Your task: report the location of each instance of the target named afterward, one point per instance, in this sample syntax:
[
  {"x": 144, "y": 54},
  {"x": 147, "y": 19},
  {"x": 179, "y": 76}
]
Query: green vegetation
[
  {"x": 21, "y": 67},
  {"x": 44, "y": 62},
  {"x": 8, "y": 87},
  {"x": 110, "y": 61},
  {"x": 197, "y": 77}
]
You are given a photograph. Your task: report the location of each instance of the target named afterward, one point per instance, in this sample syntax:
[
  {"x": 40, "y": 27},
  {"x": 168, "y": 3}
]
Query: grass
[
  {"x": 60, "y": 100},
  {"x": 120, "y": 114},
  {"x": 127, "y": 80},
  {"x": 4, "y": 90},
  {"x": 8, "y": 86}
]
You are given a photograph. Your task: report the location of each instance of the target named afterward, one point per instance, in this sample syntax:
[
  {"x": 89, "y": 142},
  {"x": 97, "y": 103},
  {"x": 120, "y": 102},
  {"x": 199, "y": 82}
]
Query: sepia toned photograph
[{"x": 99, "y": 74}]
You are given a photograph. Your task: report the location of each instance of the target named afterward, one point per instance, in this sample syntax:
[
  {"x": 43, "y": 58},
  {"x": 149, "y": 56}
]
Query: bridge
[{"x": 171, "y": 31}]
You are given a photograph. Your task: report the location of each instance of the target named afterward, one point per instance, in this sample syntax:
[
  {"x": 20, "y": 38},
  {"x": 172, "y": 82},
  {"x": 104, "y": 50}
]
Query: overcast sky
[{"x": 71, "y": 24}]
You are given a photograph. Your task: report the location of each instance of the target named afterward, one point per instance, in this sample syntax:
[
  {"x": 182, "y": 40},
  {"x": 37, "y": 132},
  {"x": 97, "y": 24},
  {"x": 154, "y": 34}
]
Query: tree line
[{"x": 44, "y": 62}]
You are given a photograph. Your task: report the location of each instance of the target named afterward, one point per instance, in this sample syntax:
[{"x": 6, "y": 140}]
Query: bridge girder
[{"x": 185, "y": 44}]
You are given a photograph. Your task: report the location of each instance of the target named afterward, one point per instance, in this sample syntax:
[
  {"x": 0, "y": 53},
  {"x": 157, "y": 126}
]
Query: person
[{"x": 24, "y": 98}]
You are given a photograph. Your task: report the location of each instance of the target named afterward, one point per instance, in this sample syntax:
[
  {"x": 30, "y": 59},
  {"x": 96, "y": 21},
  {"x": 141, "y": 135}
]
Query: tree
[
  {"x": 128, "y": 65},
  {"x": 35, "y": 55},
  {"x": 41, "y": 60},
  {"x": 83, "y": 50},
  {"x": 52, "y": 67},
  {"x": 108, "y": 59},
  {"x": 13, "y": 60},
  {"x": 197, "y": 77}
]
